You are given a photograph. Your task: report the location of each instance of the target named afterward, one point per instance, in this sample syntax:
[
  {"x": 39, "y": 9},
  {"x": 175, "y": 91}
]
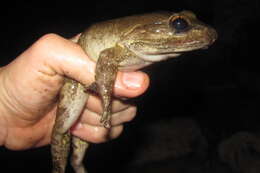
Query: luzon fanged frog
[{"x": 127, "y": 43}]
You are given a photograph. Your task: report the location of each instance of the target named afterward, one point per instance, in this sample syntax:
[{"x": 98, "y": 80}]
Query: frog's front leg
[
  {"x": 106, "y": 70},
  {"x": 71, "y": 103}
]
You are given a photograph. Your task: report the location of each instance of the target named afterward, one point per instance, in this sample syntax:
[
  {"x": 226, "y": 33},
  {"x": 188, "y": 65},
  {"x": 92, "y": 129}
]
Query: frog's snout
[{"x": 212, "y": 35}]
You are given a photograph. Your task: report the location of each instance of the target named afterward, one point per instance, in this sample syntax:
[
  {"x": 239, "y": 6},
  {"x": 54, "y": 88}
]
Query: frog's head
[{"x": 169, "y": 37}]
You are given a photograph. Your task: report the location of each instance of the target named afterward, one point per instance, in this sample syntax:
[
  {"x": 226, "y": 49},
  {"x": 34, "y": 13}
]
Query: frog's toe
[
  {"x": 106, "y": 123},
  {"x": 105, "y": 120}
]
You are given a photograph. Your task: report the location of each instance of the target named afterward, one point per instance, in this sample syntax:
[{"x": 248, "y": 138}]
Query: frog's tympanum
[{"x": 128, "y": 43}]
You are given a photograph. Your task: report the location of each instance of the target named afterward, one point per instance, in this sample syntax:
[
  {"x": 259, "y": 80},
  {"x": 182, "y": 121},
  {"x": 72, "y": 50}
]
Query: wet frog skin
[{"x": 128, "y": 43}]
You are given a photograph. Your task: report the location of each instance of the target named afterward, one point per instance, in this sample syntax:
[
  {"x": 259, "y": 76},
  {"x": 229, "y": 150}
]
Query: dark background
[{"x": 217, "y": 88}]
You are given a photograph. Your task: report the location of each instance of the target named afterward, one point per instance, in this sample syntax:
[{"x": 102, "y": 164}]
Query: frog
[{"x": 124, "y": 44}]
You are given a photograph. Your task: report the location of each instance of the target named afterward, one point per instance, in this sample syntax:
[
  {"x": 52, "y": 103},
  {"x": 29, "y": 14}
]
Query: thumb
[{"x": 65, "y": 58}]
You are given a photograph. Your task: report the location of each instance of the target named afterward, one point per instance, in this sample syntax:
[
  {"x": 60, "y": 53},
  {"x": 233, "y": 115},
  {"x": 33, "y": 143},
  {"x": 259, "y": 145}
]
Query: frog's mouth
[
  {"x": 166, "y": 54},
  {"x": 161, "y": 53},
  {"x": 159, "y": 57}
]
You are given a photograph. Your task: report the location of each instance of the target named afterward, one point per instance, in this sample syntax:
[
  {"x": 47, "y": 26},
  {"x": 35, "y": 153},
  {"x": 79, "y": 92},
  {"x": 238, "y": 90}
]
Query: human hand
[{"x": 30, "y": 85}]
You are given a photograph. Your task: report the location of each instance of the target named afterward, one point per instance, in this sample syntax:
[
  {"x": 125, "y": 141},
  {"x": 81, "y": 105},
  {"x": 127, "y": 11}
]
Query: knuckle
[
  {"x": 48, "y": 37},
  {"x": 44, "y": 43}
]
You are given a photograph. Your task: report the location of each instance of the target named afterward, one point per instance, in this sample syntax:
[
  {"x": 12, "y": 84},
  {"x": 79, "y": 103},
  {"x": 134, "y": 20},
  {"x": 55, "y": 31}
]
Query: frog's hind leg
[
  {"x": 79, "y": 148},
  {"x": 71, "y": 103},
  {"x": 60, "y": 150}
]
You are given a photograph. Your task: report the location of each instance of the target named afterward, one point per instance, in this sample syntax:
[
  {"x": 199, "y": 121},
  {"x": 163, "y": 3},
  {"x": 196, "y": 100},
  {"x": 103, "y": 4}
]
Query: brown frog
[{"x": 127, "y": 43}]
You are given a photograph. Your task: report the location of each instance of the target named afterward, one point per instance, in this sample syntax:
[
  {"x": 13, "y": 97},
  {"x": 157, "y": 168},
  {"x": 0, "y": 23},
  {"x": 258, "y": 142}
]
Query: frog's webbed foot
[{"x": 241, "y": 152}]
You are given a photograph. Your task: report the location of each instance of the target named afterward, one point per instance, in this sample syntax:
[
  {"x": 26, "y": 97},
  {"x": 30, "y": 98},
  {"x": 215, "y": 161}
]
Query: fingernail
[{"x": 132, "y": 80}]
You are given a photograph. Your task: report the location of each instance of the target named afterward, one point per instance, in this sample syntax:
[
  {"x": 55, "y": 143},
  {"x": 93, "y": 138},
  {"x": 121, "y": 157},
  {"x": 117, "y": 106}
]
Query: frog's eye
[{"x": 179, "y": 24}]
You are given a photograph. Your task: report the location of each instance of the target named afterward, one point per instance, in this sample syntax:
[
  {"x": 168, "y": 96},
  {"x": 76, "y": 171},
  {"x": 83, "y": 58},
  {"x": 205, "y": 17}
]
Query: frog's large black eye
[{"x": 179, "y": 24}]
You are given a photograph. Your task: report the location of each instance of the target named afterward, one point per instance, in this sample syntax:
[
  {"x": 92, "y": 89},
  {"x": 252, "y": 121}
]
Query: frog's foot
[
  {"x": 105, "y": 119},
  {"x": 241, "y": 152}
]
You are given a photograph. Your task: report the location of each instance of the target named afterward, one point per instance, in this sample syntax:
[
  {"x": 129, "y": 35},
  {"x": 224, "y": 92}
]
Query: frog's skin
[{"x": 128, "y": 43}]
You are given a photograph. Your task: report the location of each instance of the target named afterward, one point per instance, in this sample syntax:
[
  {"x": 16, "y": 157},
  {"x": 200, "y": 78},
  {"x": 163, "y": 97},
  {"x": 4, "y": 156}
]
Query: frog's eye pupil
[{"x": 179, "y": 24}]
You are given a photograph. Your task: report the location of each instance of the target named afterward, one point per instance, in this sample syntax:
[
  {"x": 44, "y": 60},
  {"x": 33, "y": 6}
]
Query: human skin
[{"x": 30, "y": 85}]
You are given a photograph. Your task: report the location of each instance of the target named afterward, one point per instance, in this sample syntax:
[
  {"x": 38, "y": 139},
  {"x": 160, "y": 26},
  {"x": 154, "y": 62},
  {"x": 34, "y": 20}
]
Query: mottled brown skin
[{"x": 128, "y": 43}]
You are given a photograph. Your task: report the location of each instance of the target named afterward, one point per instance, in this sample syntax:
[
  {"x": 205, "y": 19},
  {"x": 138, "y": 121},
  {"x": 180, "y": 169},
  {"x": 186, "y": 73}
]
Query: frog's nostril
[{"x": 212, "y": 35}]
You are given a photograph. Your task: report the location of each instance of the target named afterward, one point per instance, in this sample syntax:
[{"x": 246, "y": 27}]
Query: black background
[{"x": 218, "y": 87}]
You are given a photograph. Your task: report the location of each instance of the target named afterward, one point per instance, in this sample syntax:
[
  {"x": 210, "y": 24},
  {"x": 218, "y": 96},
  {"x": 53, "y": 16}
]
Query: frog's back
[{"x": 106, "y": 34}]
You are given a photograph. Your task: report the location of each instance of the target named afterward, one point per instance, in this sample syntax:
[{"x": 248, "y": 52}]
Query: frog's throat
[{"x": 156, "y": 57}]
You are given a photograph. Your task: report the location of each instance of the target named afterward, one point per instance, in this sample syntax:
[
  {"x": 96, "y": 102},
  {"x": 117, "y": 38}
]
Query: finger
[
  {"x": 96, "y": 134},
  {"x": 92, "y": 118},
  {"x": 94, "y": 104},
  {"x": 131, "y": 84},
  {"x": 123, "y": 116}
]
